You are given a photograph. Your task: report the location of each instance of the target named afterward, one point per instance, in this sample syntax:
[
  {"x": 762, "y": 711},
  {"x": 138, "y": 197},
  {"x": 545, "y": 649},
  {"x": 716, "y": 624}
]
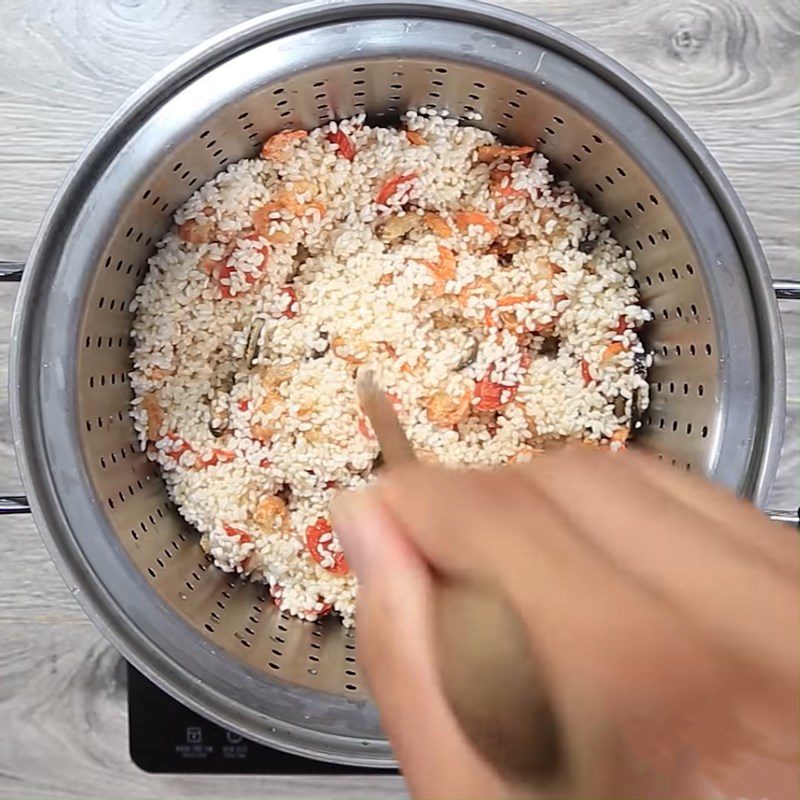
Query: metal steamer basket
[{"x": 217, "y": 643}]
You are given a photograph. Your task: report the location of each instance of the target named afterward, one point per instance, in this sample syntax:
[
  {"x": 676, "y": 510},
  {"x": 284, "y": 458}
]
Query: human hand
[{"x": 663, "y": 613}]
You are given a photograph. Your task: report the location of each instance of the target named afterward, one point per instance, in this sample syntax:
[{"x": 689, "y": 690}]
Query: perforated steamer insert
[{"x": 214, "y": 642}]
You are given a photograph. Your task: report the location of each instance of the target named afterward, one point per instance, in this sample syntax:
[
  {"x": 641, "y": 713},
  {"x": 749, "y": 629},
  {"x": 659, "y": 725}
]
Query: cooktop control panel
[{"x": 165, "y": 736}]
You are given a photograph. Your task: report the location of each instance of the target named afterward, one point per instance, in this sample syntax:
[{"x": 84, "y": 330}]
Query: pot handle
[
  {"x": 786, "y": 289},
  {"x": 11, "y": 272},
  {"x": 14, "y": 504}
]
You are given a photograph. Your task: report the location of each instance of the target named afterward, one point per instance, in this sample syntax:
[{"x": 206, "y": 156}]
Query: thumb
[{"x": 395, "y": 644}]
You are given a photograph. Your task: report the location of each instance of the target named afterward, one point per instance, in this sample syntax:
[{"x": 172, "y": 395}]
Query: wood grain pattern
[
  {"x": 64, "y": 691},
  {"x": 729, "y": 67}
]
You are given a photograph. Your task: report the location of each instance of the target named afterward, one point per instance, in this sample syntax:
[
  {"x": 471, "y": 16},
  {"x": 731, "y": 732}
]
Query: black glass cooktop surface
[{"x": 165, "y": 736}]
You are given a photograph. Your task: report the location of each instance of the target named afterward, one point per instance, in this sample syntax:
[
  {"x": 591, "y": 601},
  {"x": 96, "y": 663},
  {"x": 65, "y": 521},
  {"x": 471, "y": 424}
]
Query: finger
[
  {"x": 467, "y": 523},
  {"x": 394, "y": 626},
  {"x": 608, "y": 644},
  {"x": 496, "y": 527},
  {"x": 776, "y": 544},
  {"x": 582, "y": 509},
  {"x": 595, "y": 634},
  {"x": 394, "y": 640},
  {"x": 594, "y": 615},
  {"x": 663, "y": 545}
]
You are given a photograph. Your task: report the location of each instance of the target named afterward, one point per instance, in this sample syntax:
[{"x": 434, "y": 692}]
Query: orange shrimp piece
[
  {"x": 277, "y": 147},
  {"x": 507, "y": 319},
  {"x": 303, "y": 187},
  {"x": 315, "y": 436},
  {"x": 155, "y": 416},
  {"x": 443, "y": 270},
  {"x": 615, "y": 348},
  {"x": 317, "y": 206},
  {"x": 261, "y": 433},
  {"x": 276, "y": 376},
  {"x": 237, "y": 533},
  {"x": 344, "y": 146},
  {"x": 224, "y": 272},
  {"x": 271, "y": 401},
  {"x": 304, "y": 412},
  {"x": 254, "y": 236},
  {"x": 208, "y": 265},
  {"x": 515, "y": 299},
  {"x": 620, "y": 435},
  {"x": 479, "y": 284},
  {"x": 195, "y": 231},
  {"x": 347, "y": 353},
  {"x": 176, "y": 446},
  {"x": 510, "y": 192},
  {"x": 445, "y": 412},
  {"x": 262, "y": 221},
  {"x": 271, "y": 514},
  {"x": 391, "y": 185},
  {"x": 447, "y": 263},
  {"x": 492, "y": 396},
  {"x": 156, "y": 373},
  {"x": 415, "y": 138},
  {"x": 213, "y": 458},
  {"x": 262, "y": 218},
  {"x": 213, "y": 266},
  {"x": 323, "y": 552},
  {"x": 445, "y": 267},
  {"x": 490, "y": 152},
  {"x": 289, "y": 202},
  {"x": 284, "y": 201},
  {"x": 500, "y": 180},
  {"x": 279, "y": 237},
  {"x": 466, "y": 218},
  {"x": 437, "y": 224}
]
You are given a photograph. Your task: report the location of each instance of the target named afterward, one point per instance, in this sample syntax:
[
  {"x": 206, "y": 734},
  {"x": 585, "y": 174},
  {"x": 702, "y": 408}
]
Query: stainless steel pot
[{"x": 219, "y": 645}]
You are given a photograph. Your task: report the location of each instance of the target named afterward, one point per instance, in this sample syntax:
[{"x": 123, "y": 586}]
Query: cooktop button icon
[{"x": 194, "y": 735}]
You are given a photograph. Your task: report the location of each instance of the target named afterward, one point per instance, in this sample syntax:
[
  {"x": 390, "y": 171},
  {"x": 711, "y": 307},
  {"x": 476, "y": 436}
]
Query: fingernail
[{"x": 359, "y": 522}]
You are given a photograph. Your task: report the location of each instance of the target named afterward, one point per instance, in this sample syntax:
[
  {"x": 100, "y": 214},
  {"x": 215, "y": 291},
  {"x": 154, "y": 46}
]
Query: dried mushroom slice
[{"x": 396, "y": 227}]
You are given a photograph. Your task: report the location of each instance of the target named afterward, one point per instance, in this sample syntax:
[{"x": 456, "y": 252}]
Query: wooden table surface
[{"x": 728, "y": 66}]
